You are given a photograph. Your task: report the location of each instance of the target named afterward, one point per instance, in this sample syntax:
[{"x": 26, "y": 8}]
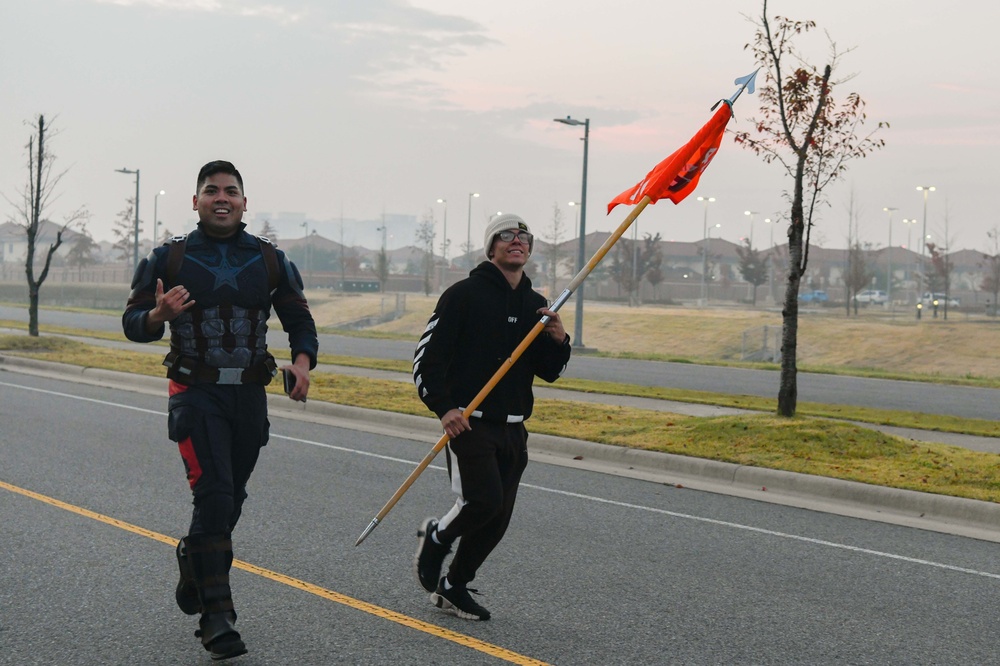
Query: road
[
  {"x": 960, "y": 401},
  {"x": 595, "y": 569}
]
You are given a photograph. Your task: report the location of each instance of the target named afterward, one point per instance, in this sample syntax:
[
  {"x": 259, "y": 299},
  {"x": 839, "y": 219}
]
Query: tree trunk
[
  {"x": 788, "y": 391},
  {"x": 33, "y": 312}
]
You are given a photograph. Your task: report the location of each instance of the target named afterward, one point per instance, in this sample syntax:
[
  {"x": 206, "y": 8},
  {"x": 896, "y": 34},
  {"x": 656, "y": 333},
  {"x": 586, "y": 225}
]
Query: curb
[{"x": 940, "y": 513}]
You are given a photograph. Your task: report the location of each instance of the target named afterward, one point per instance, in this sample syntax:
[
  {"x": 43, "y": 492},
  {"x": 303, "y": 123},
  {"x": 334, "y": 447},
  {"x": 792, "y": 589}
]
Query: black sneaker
[
  {"x": 430, "y": 556},
  {"x": 457, "y": 600}
]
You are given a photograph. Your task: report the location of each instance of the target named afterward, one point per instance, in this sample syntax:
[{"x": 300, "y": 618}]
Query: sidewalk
[{"x": 980, "y": 520}]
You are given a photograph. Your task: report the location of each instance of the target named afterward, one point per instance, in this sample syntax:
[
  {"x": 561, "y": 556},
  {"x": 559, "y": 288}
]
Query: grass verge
[
  {"x": 896, "y": 418},
  {"x": 802, "y": 444}
]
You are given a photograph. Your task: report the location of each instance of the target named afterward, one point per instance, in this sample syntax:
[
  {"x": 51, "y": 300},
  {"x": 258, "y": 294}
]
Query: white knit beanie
[{"x": 503, "y": 223}]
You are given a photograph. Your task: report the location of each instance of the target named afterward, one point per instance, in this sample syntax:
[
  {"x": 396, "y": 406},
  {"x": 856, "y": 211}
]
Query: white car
[
  {"x": 871, "y": 296},
  {"x": 928, "y": 300}
]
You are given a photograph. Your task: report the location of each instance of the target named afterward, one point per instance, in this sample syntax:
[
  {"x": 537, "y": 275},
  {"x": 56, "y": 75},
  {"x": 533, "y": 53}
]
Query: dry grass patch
[
  {"x": 962, "y": 347},
  {"x": 807, "y": 445}
]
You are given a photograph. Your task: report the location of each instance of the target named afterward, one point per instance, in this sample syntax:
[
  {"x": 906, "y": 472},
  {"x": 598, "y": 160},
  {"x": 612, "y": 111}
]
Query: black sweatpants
[
  {"x": 485, "y": 465},
  {"x": 219, "y": 429}
]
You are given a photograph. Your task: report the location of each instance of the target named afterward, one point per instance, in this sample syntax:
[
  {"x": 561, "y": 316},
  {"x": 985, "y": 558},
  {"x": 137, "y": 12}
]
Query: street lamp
[
  {"x": 576, "y": 214},
  {"x": 135, "y": 247},
  {"x": 444, "y": 234},
  {"x": 909, "y": 239},
  {"x": 704, "y": 250},
  {"x": 635, "y": 261},
  {"x": 888, "y": 273},
  {"x": 156, "y": 216},
  {"x": 468, "y": 230},
  {"x": 575, "y": 205},
  {"x": 581, "y": 258},
  {"x": 708, "y": 245},
  {"x": 923, "y": 237},
  {"x": 770, "y": 260},
  {"x": 751, "y": 213},
  {"x": 305, "y": 247}
]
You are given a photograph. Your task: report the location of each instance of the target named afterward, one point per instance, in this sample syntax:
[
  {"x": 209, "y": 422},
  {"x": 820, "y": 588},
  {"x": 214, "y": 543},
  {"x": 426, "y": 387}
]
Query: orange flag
[{"x": 676, "y": 177}]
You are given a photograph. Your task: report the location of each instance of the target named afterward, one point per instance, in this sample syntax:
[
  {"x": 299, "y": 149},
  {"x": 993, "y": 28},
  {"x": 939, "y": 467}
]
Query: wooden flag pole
[{"x": 502, "y": 370}]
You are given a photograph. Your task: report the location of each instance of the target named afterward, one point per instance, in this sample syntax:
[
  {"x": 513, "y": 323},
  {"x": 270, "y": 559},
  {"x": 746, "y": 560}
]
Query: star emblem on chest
[{"x": 225, "y": 273}]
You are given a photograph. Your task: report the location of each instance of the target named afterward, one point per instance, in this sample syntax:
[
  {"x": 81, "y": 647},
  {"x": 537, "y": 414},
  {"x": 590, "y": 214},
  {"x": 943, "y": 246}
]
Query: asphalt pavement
[
  {"x": 596, "y": 568},
  {"x": 938, "y": 513}
]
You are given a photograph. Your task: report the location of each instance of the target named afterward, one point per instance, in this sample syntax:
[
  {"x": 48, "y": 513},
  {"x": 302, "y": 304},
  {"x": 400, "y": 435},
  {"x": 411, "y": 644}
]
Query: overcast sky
[{"x": 353, "y": 108}]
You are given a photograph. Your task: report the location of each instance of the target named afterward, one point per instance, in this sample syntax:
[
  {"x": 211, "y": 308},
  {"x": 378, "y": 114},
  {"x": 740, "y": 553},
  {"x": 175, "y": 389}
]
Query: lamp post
[
  {"x": 635, "y": 260},
  {"x": 305, "y": 246},
  {"x": 704, "y": 250},
  {"x": 468, "y": 230},
  {"x": 888, "y": 272},
  {"x": 708, "y": 245},
  {"x": 923, "y": 236},
  {"x": 581, "y": 258},
  {"x": 770, "y": 260},
  {"x": 909, "y": 240},
  {"x": 444, "y": 233},
  {"x": 751, "y": 213},
  {"x": 135, "y": 247},
  {"x": 576, "y": 214},
  {"x": 156, "y": 216}
]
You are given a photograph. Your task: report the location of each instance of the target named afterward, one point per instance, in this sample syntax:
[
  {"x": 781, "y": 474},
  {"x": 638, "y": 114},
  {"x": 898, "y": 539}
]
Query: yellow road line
[{"x": 372, "y": 609}]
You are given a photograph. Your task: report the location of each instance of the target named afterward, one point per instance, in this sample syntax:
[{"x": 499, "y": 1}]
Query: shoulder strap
[
  {"x": 175, "y": 257},
  {"x": 270, "y": 255}
]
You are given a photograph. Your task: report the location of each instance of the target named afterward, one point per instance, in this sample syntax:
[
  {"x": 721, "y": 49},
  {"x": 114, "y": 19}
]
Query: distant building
[{"x": 14, "y": 241}]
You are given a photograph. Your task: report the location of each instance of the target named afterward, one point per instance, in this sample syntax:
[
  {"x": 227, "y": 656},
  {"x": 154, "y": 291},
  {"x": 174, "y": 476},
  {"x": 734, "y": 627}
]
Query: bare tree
[
  {"x": 991, "y": 270},
  {"x": 123, "y": 230},
  {"x": 268, "y": 232},
  {"x": 852, "y": 239},
  {"x": 83, "y": 252},
  {"x": 802, "y": 128},
  {"x": 939, "y": 276},
  {"x": 166, "y": 236},
  {"x": 381, "y": 269},
  {"x": 860, "y": 272},
  {"x": 752, "y": 267},
  {"x": 425, "y": 239},
  {"x": 634, "y": 261},
  {"x": 31, "y": 209},
  {"x": 554, "y": 238},
  {"x": 653, "y": 261}
]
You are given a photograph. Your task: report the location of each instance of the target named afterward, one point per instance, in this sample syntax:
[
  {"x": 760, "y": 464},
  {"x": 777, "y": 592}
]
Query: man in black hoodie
[{"x": 475, "y": 327}]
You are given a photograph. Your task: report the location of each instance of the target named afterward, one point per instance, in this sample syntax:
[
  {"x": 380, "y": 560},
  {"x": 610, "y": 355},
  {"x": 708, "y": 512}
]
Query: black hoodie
[{"x": 477, "y": 324}]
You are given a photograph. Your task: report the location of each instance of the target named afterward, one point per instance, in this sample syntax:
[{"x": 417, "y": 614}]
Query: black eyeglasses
[{"x": 508, "y": 236}]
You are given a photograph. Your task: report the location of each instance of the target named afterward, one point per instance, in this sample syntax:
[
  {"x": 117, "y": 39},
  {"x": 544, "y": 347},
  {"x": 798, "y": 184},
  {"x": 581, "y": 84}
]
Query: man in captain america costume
[{"x": 216, "y": 287}]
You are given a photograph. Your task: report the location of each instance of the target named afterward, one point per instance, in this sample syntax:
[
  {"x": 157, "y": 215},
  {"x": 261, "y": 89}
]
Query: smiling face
[
  {"x": 510, "y": 255},
  {"x": 220, "y": 204}
]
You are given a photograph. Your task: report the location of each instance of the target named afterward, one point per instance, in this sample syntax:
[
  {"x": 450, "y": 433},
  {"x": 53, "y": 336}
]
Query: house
[{"x": 14, "y": 241}]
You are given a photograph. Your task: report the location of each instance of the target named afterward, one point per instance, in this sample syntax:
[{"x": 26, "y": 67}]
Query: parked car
[
  {"x": 928, "y": 300},
  {"x": 813, "y": 297},
  {"x": 871, "y": 297}
]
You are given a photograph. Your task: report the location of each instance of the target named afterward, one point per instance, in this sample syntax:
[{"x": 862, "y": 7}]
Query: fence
[{"x": 762, "y": 343}]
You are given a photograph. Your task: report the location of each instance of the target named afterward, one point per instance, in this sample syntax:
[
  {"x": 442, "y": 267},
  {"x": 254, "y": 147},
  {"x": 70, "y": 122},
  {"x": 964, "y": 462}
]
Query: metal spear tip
[
  {"x": 748, "y": 80},
  {"x": 744, "y": 83},
  {"x": 368, "y": 530}
]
